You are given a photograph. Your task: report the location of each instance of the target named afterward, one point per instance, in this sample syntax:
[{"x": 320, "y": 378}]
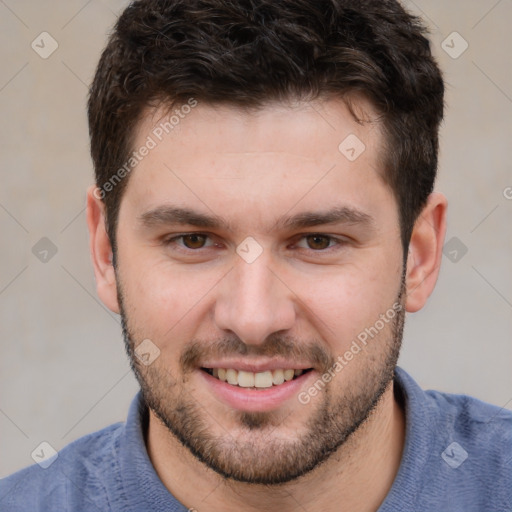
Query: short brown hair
[{"x": 249, "y": 52}]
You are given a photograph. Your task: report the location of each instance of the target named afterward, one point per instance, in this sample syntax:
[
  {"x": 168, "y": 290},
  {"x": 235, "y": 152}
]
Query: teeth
[
  {"x": 264, "y": 379},
  {"x": 245, "y": 379},
  {"x": 232, "y": 377},
  {"x": 289, "y": 374},
  {"x": 277, "y": 377}
]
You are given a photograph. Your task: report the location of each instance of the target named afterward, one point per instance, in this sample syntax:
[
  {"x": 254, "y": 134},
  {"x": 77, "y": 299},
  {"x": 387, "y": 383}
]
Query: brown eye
[
  {"x": 194, "y": 241},
  {"x": 318, "y": 242}
]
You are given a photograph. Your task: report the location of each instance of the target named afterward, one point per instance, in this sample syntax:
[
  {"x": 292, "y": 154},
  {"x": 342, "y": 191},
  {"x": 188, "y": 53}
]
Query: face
[{"x": 264, "y": 266}]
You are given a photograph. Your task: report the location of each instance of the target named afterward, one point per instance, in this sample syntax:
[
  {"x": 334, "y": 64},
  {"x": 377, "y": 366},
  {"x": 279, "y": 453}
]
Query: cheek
[
  {"x": 347, "y": 301},
  {"x": 165, "y": 303}
]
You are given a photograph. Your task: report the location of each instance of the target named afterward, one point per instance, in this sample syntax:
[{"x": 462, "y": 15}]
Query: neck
[{"x": 357, "y": 477}]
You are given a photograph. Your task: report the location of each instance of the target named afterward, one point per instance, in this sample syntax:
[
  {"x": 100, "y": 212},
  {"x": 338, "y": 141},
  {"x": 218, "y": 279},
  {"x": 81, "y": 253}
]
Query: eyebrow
[{"x": 172, "y": 215}]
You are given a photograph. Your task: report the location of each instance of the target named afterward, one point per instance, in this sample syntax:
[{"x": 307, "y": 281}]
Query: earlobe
[
  {"x": 425, "y": 252},
  {"x": 101, "y": 251}
]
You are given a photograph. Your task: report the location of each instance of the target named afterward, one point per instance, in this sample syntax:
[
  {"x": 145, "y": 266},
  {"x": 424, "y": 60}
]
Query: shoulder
[
  {"x": 73, "y": 480},
  {"x": 457, "y": 454},
  {"x": 476, "y": 452},
  {"x": 480, "y": 424}
]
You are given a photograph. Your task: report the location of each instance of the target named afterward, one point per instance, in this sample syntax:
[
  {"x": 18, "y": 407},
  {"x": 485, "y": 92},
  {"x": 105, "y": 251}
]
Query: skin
[{"x": 233, "y": 164}]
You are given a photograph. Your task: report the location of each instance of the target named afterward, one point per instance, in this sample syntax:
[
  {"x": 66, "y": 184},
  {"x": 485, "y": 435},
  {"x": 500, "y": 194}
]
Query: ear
[
  {"x": 425, "y": 252},
  {"x": 101, "y": 250}
]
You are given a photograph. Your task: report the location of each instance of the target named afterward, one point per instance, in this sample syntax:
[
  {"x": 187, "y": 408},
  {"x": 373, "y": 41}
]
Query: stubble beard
[{"x": 256, "y": 453}]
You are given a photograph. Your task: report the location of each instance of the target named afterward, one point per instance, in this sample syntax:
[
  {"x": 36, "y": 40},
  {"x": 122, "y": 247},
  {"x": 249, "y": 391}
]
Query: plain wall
[{"x": 64, "y": 372}]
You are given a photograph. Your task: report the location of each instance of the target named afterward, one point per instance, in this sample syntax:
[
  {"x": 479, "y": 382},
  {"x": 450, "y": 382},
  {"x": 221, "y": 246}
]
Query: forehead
[
  {"x": 226, "y": 159},
  {"x": 274, "y": 127}
]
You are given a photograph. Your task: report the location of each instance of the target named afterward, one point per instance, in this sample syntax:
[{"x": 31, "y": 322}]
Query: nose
[{"x": 253, "y": 302}]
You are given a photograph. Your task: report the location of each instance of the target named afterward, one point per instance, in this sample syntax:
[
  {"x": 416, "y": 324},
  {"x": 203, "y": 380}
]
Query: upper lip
[{"x": 257, "y": 366}]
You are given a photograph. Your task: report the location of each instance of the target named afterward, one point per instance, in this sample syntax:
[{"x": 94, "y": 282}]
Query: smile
[{"x": 259, "y": 380}]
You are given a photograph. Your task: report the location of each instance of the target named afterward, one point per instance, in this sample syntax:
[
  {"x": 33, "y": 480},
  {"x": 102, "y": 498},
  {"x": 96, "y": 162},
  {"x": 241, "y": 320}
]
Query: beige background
[{"x": 63, "y": 368}]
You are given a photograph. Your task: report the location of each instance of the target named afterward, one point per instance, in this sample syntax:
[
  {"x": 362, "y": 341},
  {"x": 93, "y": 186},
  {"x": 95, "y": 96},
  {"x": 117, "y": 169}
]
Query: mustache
[{"x": 275, "y": 345}]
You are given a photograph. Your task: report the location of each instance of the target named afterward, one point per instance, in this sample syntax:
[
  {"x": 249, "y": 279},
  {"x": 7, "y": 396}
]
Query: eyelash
[{"x": 338, "y": 242}]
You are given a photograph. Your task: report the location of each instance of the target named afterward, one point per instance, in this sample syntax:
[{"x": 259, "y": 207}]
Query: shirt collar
[{"x": 145, "y": 490}]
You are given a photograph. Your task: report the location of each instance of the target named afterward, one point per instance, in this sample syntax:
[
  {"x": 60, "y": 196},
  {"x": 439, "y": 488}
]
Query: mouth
[{"x": 256, "y": 380}]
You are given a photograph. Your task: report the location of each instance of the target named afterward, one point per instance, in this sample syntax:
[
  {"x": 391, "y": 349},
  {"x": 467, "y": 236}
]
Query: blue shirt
[{"x": 457, "y": 457}]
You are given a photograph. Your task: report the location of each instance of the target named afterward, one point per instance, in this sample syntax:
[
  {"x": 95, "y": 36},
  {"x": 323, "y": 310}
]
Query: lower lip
[{"x": 256, "y": 400}]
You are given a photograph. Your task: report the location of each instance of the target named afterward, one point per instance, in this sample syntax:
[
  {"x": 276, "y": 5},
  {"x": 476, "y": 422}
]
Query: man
[{"x": 262, "y": 219}]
